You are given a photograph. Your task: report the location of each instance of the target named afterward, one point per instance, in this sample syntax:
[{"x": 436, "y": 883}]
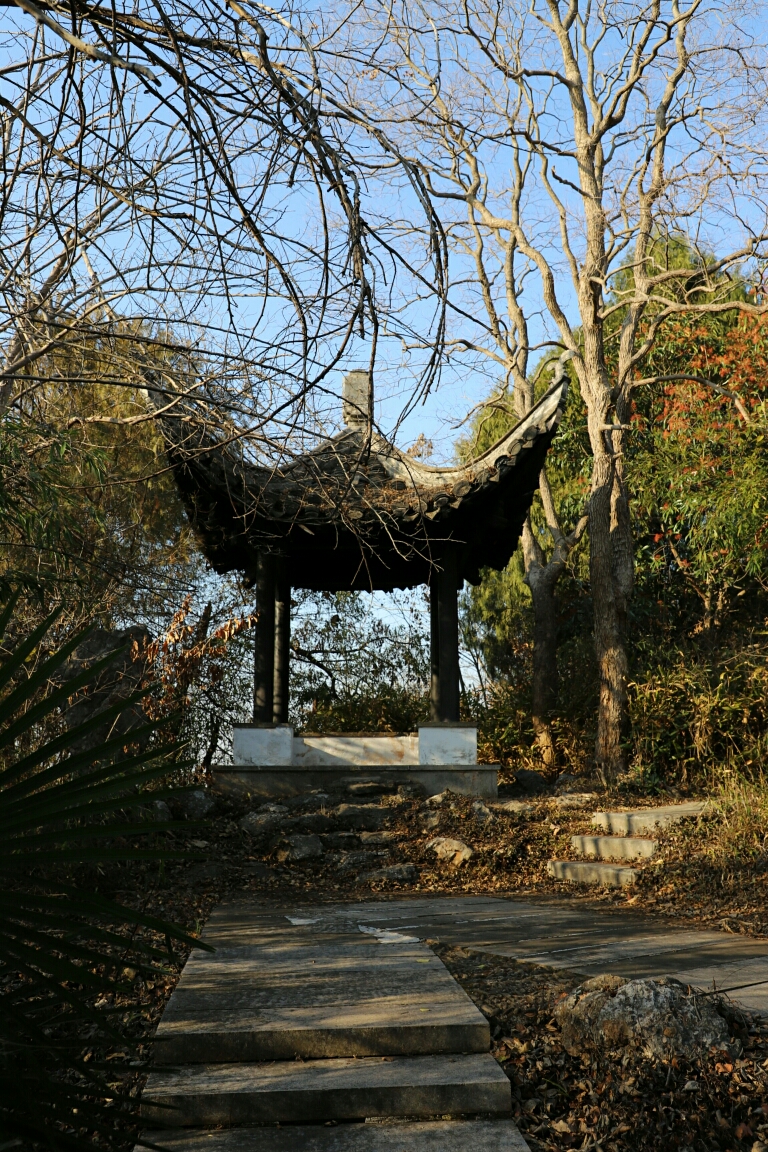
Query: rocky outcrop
[{"x": 661, "y": 1016}]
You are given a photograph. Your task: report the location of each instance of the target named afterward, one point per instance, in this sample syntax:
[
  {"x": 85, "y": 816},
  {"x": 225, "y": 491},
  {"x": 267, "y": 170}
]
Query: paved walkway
[
  {"x": 574, "y": 934},
  {"x": 292, "y": 1023},
  {"x": 342, "y": 1013}
]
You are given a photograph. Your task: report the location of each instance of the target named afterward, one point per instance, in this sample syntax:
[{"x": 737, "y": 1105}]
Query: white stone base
[
  {"x": 344, "y": 749},
  {"x": 257, "y": 745},
  {"x": 274, "y": 746},
  {"x": 447, "y": 744}
]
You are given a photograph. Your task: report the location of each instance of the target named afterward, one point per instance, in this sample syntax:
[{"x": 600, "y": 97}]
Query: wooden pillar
[
  {"x": 264, "y": 653},
  {"x": 282, "y": 643},
  {"x": 444, "y": 617},
  {"x": 434, "y": 652}
]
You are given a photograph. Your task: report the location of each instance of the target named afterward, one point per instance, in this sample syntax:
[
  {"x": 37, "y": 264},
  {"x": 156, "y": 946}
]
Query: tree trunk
[
  {"x": 541, "y": 576},
  {"x": 610, "y": 566},
  {"x": 545, "y": 672}
]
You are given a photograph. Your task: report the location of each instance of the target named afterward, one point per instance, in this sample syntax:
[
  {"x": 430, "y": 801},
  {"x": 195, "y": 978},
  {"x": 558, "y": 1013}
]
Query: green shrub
[{"x": 699, "y": 718}]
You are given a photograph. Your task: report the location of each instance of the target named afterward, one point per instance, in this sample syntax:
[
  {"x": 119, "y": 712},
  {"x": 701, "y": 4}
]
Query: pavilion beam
[
  {"x": 264, "y": 651},
  {"x": 282, "y": 643},
  {"x": 444, "y": 613}
]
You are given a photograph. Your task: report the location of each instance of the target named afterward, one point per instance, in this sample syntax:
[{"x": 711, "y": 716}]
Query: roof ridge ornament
[{"x": 356, "y": 396}]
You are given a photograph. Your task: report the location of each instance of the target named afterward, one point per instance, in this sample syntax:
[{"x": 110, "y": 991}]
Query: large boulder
[
  {"x": 195, "y": 804},
  {"x": 156, "y": 812},
  {"x": 658, "y": 1016}
]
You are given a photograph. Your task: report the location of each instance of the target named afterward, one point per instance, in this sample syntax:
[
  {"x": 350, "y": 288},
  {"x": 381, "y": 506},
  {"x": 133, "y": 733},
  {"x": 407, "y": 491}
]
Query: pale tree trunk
[
  {"x": 611, "y": 575},
  {"x": 545, "y": 679},
  {"x": 607, "y": 217}
]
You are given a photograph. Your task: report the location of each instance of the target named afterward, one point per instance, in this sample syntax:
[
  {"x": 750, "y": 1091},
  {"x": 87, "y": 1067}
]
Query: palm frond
[{"x": 64, "y": 947}]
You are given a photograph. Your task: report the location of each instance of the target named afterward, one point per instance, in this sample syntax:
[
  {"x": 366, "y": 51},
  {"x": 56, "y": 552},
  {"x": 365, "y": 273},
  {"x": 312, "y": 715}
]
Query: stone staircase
[
  {"x": 292, "y": 1036},
  {"x": 624, "y": 841}
]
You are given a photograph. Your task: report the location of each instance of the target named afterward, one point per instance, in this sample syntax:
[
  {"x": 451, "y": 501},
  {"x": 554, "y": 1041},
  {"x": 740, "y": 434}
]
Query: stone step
[
  {"x": 239, "y": 780},
  {"x": 397, "y": 1136},
  {"x": 292, "y": 1091},
  {"x": 606, "y": 875},
  {"x": 294, "y": 995},
  {"x": 615, "y": 847},
  {"x": 647, "y": 819}
]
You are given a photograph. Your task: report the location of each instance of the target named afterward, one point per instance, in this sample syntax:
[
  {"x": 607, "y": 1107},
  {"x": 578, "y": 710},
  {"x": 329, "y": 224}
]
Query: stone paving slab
[
  {"x": 401, "y": 1136},
  {"x": 623, "y": 941},
  {"x": 615, "y": 847},
  {"x": 616, "y": 951},
  {"x": 296, "y": 996},
  {"x": 202, "y": 1095}
]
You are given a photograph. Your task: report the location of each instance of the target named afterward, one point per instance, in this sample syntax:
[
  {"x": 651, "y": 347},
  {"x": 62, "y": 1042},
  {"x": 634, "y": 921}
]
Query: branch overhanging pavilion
[{"x": 358, "y": 514}]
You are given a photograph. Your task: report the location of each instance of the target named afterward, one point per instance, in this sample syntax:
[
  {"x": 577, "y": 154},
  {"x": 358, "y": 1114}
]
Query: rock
[
  {"x": 157, "y": 812},
  {"x": 369, "y": 788},
  {"x": 300, "y": 848},
  {"x": 379, "y": 837},
  {"x": 439, "y": 798},
  {"x": 430, "y": 821},
  {"x": 518, "y": 807},
  {"x": 353, "y": 861},
  {"x": 481, "y": 812},
  {"x": 344, "y": 840},
  {"x": 362, "y": 817},
  {"x": 454, "y": 852},
  {"x": 655, "y": 1015},
  {"x": 575, "y": 800},
  {"x": 196, "y": 804},
  {"x": 405, "y": 873},
  {"x": 531, "y": 782},
  {"x": 257, "y": 823},
  {"x": 565, "y": 779}
]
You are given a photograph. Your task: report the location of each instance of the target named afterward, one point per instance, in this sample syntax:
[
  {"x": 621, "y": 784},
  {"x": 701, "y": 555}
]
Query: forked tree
[{"x": 567, "y": 145}]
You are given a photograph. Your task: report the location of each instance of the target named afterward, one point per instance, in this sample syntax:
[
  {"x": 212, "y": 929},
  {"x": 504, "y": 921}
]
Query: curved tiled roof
[{"x": 358, "y": 515}]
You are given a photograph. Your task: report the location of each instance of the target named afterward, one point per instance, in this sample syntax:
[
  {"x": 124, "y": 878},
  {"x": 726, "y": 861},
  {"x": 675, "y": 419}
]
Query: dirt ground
[{"x": 561, "y": 1101}]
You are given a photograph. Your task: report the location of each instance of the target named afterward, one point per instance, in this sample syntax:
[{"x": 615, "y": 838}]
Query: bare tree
[
  {"x": 569, "y": 143},
  {"x": 179, "y": 190}
]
